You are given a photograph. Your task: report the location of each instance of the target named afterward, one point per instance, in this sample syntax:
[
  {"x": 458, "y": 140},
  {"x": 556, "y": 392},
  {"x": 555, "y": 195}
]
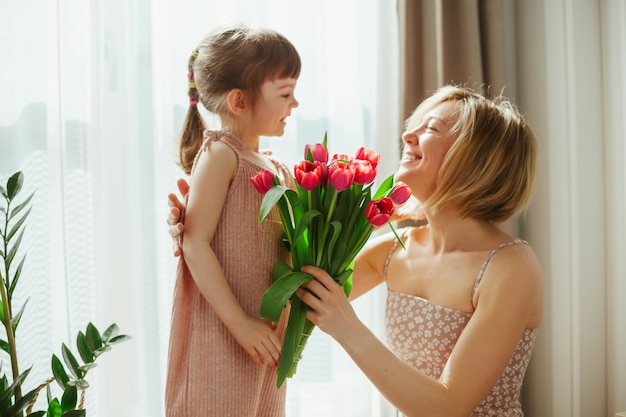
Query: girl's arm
[
  {"x": 209, "y": 185},
  {"x": 509, "y": 299}
]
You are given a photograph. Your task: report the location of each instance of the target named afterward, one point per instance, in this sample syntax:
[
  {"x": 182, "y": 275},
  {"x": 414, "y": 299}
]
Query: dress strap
[
  {"x": 211, "y": 136},
  {"x": 394, "y": 246},
  {"x": 493, "y": 252},
  {"x": 283, "y": 172}
]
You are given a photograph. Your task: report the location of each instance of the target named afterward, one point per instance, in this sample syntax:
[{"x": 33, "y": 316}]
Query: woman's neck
[{"x": 449, "y": 233}]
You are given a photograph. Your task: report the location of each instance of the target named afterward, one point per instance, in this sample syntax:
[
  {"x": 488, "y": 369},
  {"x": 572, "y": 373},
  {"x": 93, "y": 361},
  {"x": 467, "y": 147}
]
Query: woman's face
[{"x": 425, "y": 146}]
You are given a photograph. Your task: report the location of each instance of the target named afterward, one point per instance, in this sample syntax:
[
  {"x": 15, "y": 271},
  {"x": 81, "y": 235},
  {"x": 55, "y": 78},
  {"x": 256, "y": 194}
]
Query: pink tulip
[
  {"x": 263, "y": 181},
  {"x": 368, "y": 155},
  {"x": 308, "y": 174},
  {"x": 364, "y": 172},
  {"x": 378, "y": 212},
  {"x": 400, "y": 193},
  {"x": 319, "y": 152},
  {"x": 341, "y": 175},
  {"x": 341, "y": 157}
]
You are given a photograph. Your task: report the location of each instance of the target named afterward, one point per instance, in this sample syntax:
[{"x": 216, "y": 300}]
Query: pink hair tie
[
  {"x": 190, "y": 76},
  {"x": 193, "y": 102}
]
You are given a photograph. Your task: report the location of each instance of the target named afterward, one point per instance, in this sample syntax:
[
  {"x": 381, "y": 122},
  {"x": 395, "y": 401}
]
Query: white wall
[{"x": 572, "y": 84}]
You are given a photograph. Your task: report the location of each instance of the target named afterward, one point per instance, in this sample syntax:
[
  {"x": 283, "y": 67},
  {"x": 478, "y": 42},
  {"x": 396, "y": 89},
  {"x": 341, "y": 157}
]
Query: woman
[{"x": 465, "y": 298}]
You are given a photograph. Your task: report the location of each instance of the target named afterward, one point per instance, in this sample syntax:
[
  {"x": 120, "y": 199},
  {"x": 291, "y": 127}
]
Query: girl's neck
[{"x": 250, "y": 141}]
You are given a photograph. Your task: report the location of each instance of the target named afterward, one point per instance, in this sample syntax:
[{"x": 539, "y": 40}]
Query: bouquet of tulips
[{"x": 326, "y": 220}]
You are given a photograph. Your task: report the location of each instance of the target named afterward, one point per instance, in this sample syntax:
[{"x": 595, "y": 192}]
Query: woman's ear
[{"x": 236, "y": 101}]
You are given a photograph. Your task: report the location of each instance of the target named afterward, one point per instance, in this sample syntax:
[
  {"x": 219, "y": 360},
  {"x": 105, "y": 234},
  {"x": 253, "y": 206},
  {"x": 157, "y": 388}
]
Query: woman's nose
[{"x": 410, "y": 138}]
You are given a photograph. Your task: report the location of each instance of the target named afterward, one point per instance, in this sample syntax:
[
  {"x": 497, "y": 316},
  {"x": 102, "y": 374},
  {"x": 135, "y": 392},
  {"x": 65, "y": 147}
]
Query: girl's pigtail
[{"x": 193, "y": 127}]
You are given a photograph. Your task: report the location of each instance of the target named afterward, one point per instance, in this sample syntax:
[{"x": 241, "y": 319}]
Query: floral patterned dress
[{"x": 423, "y": 334}]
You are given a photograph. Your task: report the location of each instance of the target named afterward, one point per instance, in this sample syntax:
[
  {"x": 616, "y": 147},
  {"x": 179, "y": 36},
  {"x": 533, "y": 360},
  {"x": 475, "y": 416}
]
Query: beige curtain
[{"x": 453, "y": 42}]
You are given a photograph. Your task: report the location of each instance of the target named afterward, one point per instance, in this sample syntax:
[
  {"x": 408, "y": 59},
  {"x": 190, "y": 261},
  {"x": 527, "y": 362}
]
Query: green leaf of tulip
[
  {"x": 275, "y": 300},
  {"x": 279, "y": 270},
  {"x": 270, "y": 199}
]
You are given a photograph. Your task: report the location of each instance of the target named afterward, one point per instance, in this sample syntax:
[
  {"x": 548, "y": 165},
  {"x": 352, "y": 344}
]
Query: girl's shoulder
[{"x": 215, "y": 160}]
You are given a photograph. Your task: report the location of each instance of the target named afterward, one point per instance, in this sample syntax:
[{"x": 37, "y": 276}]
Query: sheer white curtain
[{"x": 93, "y": 95}]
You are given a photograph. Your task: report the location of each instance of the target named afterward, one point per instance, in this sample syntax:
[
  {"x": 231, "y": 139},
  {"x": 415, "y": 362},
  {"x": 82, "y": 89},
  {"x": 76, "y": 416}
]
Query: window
[{"x": 93, "y": 96}]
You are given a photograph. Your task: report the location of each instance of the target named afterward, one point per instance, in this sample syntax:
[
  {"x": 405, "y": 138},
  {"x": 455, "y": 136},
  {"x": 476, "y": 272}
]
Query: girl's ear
[{"x": 236, "y": 101}]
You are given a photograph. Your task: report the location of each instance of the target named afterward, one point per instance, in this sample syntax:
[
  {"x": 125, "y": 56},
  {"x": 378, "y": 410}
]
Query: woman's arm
[
  {"x": 478, "y": 359},
  {"x": 369, "y": 264}
]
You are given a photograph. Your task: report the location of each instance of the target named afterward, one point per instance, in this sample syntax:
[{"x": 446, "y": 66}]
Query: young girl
[{"x": 222, "y": 355}]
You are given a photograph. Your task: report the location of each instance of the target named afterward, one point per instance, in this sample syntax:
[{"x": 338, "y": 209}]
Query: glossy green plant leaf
[
  {"x": 59, "y": 373},
  {"x": 69, "y": 399},
  {"x": 111, "y": 332},
  {"x": 17, "y": 226},
  {"x": 75, "y": 413},
  {"x": 21, "y": 404},
  {"x": 14, "y": 185},
  {"x": 54, "y": 408},
  {"x": 17, "y": 209},
  {"x": 16, "y": 318},
  {"x": 85, "y": 352},
  {"x": 94, "y": 340},
  {"x": 71, "y": 362},
  {"x": 8, "y": 391},
  {"x": 118, "y": 339},
  {"x": 16, "y": 276}
]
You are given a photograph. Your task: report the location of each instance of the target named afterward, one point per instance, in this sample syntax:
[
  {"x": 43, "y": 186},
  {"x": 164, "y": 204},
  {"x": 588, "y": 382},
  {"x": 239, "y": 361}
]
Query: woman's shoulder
[{"x": 513, "y": 269}]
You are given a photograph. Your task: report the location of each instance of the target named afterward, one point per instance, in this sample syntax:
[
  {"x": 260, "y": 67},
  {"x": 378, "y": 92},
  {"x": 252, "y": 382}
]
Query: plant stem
[{"x": 6, "y": 304}]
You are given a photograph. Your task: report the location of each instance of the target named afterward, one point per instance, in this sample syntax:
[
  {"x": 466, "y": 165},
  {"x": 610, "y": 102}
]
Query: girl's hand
[
  {"x": 331, "y": 310},
  {"x": 177, "y": 208},
  {"x": 259, "y": 340}
]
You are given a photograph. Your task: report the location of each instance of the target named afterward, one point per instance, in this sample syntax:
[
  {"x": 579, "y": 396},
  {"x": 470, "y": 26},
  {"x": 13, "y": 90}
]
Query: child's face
[{"x": 274, "y": 106}]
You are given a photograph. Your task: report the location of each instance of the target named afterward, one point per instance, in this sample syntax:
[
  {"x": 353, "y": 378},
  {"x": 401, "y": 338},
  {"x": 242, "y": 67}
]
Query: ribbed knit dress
[{"x": 209, "y": 373}]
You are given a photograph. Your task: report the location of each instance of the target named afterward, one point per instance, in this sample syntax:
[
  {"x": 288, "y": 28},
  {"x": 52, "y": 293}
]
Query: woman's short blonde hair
[{"x": 489, "y": 172}]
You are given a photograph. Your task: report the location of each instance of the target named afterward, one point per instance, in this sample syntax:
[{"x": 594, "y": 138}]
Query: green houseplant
[{"x": 69, "y": 370}]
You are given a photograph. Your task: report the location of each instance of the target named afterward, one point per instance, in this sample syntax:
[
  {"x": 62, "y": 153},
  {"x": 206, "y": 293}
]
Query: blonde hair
[
  {"x": 233, "y": 56},
  {"x": 489, "y": 173}
]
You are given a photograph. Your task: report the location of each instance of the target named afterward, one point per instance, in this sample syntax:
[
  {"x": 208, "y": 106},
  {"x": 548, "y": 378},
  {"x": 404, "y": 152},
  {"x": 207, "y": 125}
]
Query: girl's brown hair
[
  {"x": 489, "y": 172},
  {"x": 236, "y": 56}
]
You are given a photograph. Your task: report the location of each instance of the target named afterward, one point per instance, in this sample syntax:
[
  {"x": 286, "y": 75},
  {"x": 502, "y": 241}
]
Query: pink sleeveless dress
[
  {"x": 209, "y": 373},
  {"x": 423, "y": 334}
]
